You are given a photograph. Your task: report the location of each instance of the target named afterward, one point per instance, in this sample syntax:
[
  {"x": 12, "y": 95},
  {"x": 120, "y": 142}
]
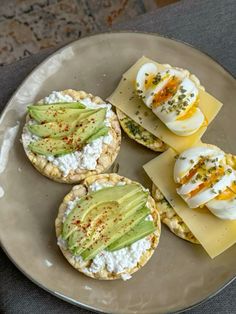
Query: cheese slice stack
[
  {"x": 215, "y": 235},
  {"x": 172, "y": 96},
  {"x": 204, "y": 178},
  {"x": 128, "y": 98}
]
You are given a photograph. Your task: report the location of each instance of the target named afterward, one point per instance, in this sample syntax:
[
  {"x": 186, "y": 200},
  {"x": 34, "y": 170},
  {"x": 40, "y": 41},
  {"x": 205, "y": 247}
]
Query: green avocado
[
  {"x": 89, "y": 202},
  {"x": 58, "y": 115},
  {"x": 50, "y": 146},
  {"x": 89, "y": 230},
  {"x": 89, "y": 126},
  {"x": 105, "y": 217},
  {"x": 59, "y": 129},
  {"x": 101, "y": 132},
  {"x": 52, "y": 129},
  {"x": 115, "y": 232},
  {"x": 57, "y": 106},
  {"x": 116, "y": 213},
  {"x": 61, "y": 139},
  {"x": 139, "y": 231}
]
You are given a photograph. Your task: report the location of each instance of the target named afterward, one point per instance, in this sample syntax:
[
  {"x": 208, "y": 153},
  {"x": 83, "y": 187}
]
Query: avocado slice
[
  {"x": 59, "y": 114},
  {"x": 89, "y": 126},
  {"x": 59, "y": 129},
  {"x": 87, "y": 203},
  {"x": 139, "y": 231},
  {"x": 79, "y": 240},
  {"x": 49, "y": 115},
  {"x": 57, "y": 106},
  {"x": 101, "y": 132},
  {"x": 114, "y": 233},
  {"x": 89, "y": 230},
  {"x": 52, "y": 129},
  {"x": 50, "y": 146},
  {"x": 83, "y": 130}
]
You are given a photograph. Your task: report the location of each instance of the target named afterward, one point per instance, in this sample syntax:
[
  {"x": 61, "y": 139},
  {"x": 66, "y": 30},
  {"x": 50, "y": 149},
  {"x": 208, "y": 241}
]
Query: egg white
[
  {"x": 150, "y": 69},
  {"x": 163, "y": 111},
  {"x": 223, "y": 209},
  {"x": 187, "y": 126},
  {"x": 170, "y": 111},
  {"x": 211, "y": 156},
  {"x": 191, "y": 157},
  {"x": 210, "y": 193}
]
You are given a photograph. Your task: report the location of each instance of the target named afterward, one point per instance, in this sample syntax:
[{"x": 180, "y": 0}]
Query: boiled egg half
[
  {"x": 205, "y": 179},
  {"x": 172, "y": 96}
]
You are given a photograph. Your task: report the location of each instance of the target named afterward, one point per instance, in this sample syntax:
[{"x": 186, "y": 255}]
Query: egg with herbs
[
  {"x": 205, "y": 179},
  {"x": 172, "y": 96}
]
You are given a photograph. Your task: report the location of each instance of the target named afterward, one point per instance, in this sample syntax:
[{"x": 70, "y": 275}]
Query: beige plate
[{"x": 30, "y": 203}]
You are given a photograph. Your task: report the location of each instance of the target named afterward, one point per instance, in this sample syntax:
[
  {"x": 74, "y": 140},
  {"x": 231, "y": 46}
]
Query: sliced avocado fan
[
  {"x": 111, "y": 219},
  {"x": 65, "y": 127},
  {"x": 139, "y": 231}
]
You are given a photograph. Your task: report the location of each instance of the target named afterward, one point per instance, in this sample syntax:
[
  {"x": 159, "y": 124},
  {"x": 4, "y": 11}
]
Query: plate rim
[{"x": 61, "y": 48}]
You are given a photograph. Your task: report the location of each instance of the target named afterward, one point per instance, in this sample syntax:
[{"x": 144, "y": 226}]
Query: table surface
[{"x": 209, "y": 25}]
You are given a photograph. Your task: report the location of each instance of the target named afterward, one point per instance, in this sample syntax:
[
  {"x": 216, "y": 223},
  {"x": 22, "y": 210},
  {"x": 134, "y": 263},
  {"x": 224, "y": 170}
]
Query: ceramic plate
[{"x": 179, "y": 274}]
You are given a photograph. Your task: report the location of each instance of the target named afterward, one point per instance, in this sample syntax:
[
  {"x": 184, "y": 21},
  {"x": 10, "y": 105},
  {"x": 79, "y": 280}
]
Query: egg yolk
[
  {"x": 228, "y": 193},
  {"x": 189, "y": 113},
  {"x": 213, "y": 178},
  {"x": 167, "y": 92},
  {"x": 149, "y": 80},
  {"x": 192, "y": 172}
]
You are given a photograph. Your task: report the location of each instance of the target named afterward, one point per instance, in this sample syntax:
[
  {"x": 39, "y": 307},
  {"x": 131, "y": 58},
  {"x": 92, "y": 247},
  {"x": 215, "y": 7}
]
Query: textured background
[{"x": 27, "y": 26}]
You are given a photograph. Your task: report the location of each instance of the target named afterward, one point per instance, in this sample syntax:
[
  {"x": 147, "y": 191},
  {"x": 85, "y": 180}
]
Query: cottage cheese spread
[
  {"x": 70, "y": 206},
  {"x": 119, "y": 261},
  {"x": 96, "y": 186},
  {"x": 85, "y": 158}
]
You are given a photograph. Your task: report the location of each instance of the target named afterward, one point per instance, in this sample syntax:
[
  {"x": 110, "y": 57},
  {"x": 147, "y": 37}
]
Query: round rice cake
[
  {"x": 107, "y": 156},
  {"x": 85, "y": 266},
  {"x": 138, "y": 133},
  {"x": 170, "y": 218}
]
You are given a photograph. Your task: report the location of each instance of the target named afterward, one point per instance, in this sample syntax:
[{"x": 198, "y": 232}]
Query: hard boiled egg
[
  {"x": 192, "y": 156},
  {"x": 187, "y": 125},
  {"x": 172, "y": 96},
  {"x": 205, "y": 179}
]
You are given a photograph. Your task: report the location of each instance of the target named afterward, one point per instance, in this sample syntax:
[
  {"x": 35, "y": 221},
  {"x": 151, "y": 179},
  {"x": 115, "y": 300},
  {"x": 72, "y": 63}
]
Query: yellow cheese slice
[
  {"x": 214, "y": 234},
  {"x": 126, "y": 100}
]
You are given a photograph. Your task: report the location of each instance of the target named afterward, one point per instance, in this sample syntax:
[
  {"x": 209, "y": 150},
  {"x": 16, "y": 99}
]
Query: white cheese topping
[
  {"x": 96, "y": 186},
  {"x": 62, "y": 243},
  {"x": 119, "y": 261},
  {"x": 90, "y": 153},
  {"x": 56, "y": 97},
  {"x": 70, "y": 206}
]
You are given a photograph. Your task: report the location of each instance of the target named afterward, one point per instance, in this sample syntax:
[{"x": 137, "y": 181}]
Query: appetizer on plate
[
  {"x": 108, "y": 227},
  {"x": 70, "y": 135},
  {"x": 166, "y": 101},
  {"x": 195, "y": 193}
]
